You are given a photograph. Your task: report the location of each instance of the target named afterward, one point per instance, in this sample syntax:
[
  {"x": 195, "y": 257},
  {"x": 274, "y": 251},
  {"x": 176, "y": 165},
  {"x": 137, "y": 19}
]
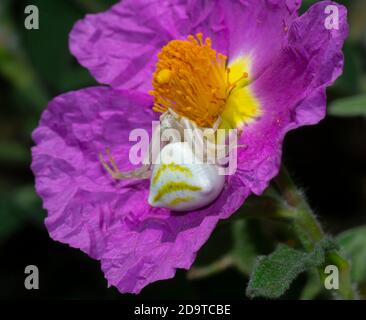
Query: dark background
[{"x": 327, "y": 161}]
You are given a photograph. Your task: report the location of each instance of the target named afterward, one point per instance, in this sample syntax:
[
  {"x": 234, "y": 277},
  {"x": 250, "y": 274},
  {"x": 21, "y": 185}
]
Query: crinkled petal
[
  {"x": 292, "y": 91},
  {"x": 120, "y": 46},
  {"x": 82, "y": 201},
  {"x": 150, "y": 245},
  {"x": 111, "y": 220},
  {"x": 247, "y": 28}
]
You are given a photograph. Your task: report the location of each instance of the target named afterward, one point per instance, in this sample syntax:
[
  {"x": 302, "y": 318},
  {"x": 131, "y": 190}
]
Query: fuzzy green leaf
[{"x": 273, "y": 274}]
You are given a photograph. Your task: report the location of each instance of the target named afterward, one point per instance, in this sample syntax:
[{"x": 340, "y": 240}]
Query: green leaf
[
  {"x": 273, "y": 274},
  {"x": 349, "y": 107},
  {"x": 353, "y": 244}
]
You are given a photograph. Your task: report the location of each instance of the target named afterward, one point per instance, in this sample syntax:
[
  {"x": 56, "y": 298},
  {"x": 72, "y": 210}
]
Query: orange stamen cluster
[{"x": 192, "y": 79}]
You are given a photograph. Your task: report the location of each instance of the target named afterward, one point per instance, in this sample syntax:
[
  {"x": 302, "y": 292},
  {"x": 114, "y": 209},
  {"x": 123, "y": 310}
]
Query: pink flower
[{"x": 290, "y": 61}]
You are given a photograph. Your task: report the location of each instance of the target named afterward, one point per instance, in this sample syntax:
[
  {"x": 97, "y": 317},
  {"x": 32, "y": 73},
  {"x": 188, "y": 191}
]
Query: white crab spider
[{"x": 176, "y": 183}]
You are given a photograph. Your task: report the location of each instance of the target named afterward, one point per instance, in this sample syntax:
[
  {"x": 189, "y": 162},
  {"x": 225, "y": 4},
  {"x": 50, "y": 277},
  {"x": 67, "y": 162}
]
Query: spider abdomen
[{"x": 181, "y": 182}]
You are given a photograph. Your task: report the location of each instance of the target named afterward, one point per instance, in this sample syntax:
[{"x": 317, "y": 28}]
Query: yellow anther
[
  {"x": 164, "y": 76},
  {"x": 192, "y": 79}
]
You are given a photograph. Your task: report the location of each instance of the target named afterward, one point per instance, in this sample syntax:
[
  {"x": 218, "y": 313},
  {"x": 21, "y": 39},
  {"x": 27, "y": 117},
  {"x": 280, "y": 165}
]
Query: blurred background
[{"x": 328, "y": 161}]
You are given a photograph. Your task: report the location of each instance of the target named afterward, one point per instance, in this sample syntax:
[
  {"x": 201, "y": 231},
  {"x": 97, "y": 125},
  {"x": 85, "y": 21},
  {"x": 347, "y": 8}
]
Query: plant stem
[{"x": 310, "y": 232}]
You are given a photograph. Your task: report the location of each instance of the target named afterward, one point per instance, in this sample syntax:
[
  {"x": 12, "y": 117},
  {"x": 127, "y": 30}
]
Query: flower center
[{"x": 193, "y": 80}]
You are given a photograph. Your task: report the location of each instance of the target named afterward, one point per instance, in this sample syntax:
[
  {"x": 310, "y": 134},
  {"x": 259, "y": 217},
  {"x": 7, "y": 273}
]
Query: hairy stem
[{"x": 310, "y": 232}]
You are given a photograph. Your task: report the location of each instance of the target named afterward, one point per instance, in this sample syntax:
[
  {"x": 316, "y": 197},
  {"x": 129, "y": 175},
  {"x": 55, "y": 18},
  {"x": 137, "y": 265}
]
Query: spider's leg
[
  {"x": 115, "y": 174},
  {"x": 112, "y": 161},
  {"x": 112, "y": 168}
]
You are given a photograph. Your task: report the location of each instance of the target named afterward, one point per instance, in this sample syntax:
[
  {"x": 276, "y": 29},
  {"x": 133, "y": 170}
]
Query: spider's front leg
[
  {"x": 112, "y": 168},
  {"x": 168, "y": 123}
]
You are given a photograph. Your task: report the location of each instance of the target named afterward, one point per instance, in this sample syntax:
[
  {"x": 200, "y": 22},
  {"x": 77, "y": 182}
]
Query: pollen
[
  {"x": 192, "y": 79},
  {"x": 163, "y": 76}
]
